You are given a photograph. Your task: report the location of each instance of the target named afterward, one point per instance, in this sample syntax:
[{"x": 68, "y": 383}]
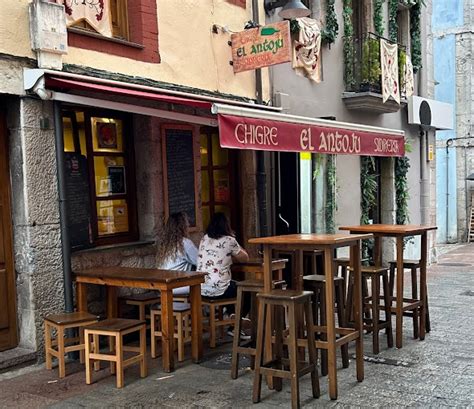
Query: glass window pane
[
  {"x": 206, "y": 216},
  {"x": 112, "y": 217},
  {"x": 107, "y": 135},
  {"x": 68, "y": 135},
  {"x": 109, "y": 175},
  {"x": 203, "y": 150},
  {"x": 205, "y": 188},
  {"x": 219, "y": 155},
  {"x": 221, "y": 186},
  {"x": 82, "y": 132},
  {"x": 223, "y": 209}
]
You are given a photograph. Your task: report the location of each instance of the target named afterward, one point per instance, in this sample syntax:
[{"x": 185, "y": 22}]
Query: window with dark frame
[{"x": 103, "y": 139}]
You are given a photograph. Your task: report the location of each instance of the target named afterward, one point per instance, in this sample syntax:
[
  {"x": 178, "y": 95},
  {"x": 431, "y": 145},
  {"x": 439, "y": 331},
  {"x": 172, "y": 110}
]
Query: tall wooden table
[
  {"x": 253, "y": 268},
  {"x": 151, "y": 279},
  {"x": 328, "y": 243},
  {"x": 400, "y": 231}
]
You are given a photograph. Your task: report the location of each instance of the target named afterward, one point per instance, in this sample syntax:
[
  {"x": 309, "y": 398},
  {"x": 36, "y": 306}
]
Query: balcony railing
[{"x": 363, "y": 72}]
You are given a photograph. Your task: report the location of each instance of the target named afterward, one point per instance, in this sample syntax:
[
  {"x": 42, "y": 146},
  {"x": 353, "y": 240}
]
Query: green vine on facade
[
  {"x": 329, "y": 33},
  {"x": 331, "y": 192},
  {"x": 348, "y": 46},
  {"x": 415, "y": 34},
  {"x": 392, "y": 20},
  {"x": 378, "y": 17},
  {"x": 368, "y": 195},
  {"x": 401, "y": 190}
]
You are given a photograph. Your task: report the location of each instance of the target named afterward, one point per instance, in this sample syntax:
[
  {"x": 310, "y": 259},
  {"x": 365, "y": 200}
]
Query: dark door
[
  {"x": 287, "y": 220},
  {"x": 8, "y": 329}
]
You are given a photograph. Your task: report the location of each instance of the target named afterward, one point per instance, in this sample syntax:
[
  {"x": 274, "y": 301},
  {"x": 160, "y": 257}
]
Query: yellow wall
[{"x": 190, "y": 53}]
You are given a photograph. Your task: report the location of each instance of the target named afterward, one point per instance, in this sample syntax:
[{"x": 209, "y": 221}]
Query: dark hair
[
  {"x": 176, "y": 228},
  {"x": 219, "y": 226}
]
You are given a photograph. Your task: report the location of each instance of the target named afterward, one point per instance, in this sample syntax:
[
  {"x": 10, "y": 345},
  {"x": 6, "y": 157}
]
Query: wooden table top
[
  {"x": 389, "y": 229},
  {"x": 140, "y": 274},
  {"x": 311, "y": 239}
]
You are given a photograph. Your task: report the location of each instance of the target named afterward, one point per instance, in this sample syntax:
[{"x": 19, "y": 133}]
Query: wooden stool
[
  {"x": 116, "y": 328},
  {"x": 344, "y": 264},
  {"x": 413, "y": 266},
  {"x": 290, "y": 300},
  {"x": 317, "y": 285},
  {"x": 248, "y": 348},
  {"x": 142, "y": 301},
  {"x": 182, "y": 315},
  {"x": 60, "y": 323},
  {"x": 219, "y": 321},
  {"x": 310, "y": 261},
  {"x": 372, "y": 302}
]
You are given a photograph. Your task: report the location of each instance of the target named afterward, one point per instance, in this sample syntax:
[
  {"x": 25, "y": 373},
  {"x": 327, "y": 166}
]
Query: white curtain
[
  {"x": 389, "y": 60},
  {"x": 307, "y": 49}
]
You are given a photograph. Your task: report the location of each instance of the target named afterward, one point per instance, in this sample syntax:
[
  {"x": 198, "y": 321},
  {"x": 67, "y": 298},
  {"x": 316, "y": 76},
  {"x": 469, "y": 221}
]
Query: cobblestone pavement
[{"x": 438, "y": 372}]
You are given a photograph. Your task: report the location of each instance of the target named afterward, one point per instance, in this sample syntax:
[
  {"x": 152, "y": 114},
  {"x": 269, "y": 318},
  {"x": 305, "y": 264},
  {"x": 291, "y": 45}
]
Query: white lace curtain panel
[{"x": 94, "y": 12}]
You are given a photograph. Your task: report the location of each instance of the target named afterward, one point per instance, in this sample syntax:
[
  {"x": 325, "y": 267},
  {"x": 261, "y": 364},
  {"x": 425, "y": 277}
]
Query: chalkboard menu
[
  {"x": 180, "y": 175},
  {"x": 78, "y": 200}
]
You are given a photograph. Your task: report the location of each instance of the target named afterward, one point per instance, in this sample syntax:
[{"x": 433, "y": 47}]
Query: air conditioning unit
[{"x": 430, "y": 113}]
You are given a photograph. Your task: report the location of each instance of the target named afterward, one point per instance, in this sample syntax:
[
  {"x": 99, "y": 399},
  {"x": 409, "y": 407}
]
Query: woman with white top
[{"x": 217, "y": 249}]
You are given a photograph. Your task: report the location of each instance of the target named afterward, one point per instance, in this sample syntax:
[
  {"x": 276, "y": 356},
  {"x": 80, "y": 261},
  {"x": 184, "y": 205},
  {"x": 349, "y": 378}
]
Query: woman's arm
[{"x": 242, "y": 256}]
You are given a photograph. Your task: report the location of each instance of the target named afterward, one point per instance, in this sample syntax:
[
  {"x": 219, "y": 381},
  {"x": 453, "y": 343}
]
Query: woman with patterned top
[{"x": 217, "y": 249}]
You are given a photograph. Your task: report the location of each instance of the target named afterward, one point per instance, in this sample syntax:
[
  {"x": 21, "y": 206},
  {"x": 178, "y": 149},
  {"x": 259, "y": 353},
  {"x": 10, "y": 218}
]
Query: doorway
[{"x": 8, "y": 319}]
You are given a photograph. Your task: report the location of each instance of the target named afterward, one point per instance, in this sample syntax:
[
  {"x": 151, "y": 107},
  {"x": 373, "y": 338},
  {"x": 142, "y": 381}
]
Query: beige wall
[{"x": 191, "y": 54}]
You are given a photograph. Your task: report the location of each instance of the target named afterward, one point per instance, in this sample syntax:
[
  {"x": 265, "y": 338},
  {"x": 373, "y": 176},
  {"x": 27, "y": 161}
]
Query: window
[
  {"x": 217, "y": 178},
  {"x": 102, "y": 140},
  {"x": 130, "y": 29}
]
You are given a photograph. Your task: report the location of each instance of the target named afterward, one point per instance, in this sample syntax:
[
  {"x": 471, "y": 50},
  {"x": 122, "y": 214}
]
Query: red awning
[
  {"x": 62, "y": 83},
  {"x": 243, "y": 129}
]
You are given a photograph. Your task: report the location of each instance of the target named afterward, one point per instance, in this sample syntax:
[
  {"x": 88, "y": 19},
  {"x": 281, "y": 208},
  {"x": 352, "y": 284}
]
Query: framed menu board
[{"x": 180, "y": 173}]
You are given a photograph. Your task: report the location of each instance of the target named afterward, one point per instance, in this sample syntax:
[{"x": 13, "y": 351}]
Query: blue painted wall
[{"x": 446, "y": 13}]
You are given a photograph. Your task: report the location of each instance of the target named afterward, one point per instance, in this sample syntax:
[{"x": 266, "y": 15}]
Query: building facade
[{"x": 453, "y": 50}]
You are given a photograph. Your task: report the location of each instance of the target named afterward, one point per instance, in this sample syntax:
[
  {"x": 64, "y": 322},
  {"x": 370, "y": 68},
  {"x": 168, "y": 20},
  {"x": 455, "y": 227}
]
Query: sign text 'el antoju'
[{"x": 261, "y": 47}]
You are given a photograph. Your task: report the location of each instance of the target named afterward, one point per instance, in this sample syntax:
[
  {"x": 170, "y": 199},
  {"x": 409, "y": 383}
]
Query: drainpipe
[
  {"x": 447, "y": 191},
  {"x": 260, "y": 155},
  {"x": 66, "y": 250}
]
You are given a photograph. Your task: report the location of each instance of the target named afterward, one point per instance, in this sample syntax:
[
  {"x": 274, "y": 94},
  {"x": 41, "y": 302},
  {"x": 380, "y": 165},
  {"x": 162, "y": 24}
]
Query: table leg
[
  {"x": 111, "y": 301},
  {"x": 81, "y": 297},
  {"x": 267, "y": 282},
  {"x": 399, "y": 298},
  {"x": 331, "y": 326},
  {"x": 378, "y": 250},
  {"x": 297, "y": 279},
  {"x": 357, "y": 305},
  {"x": 196, "y": 323},
  {"x": 167, "y": 328},
  {"x": 423, "y": 295}
]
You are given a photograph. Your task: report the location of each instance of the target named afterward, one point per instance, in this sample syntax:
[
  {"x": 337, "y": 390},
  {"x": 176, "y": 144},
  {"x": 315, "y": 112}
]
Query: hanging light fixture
[{"x": 292, "y": 8}]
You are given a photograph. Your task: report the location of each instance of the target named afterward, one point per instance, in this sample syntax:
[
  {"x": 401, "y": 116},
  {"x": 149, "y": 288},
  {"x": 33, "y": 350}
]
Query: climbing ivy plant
[
  {"x": 329, "y": 33},
  {"x": 378, "y": 18},
  {"x": 415, "y": 34},
  {"x": 331, "y": 191},
  {"x": 392, "y": 20},
  {"x": 348, "y": 45},
  {"x": 368, "y": 195},
  {"x": 401, "y": 187}
]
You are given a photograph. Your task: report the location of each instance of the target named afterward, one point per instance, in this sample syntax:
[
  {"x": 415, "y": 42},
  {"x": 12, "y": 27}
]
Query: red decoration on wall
[{"x": 240, "y": 3}]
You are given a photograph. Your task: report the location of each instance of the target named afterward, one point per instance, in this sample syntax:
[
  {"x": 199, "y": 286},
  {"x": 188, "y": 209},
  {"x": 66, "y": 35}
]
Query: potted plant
[{"x": 370, "y": 65}]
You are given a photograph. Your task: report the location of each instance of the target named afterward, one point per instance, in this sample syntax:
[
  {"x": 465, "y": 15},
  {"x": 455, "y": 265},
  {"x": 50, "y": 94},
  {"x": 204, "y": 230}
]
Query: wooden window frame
[
  {"x": 231, "y": 167},
  {"x": 129, "y": 162}
]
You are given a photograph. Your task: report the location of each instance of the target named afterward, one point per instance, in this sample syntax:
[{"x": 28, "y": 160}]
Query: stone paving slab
[{"x": 435, "y": 373}]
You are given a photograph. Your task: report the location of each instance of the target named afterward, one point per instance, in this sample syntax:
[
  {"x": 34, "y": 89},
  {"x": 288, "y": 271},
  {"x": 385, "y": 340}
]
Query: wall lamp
[{"x": 291, "y": 9}]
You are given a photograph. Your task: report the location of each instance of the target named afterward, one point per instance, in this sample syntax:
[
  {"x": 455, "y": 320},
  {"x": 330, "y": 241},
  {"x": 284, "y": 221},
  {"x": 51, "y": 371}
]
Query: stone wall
[{"x": 37, "y": 242}]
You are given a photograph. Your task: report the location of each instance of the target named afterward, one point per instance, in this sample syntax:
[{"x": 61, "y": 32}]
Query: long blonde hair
[{"x": 176, "y": 229}]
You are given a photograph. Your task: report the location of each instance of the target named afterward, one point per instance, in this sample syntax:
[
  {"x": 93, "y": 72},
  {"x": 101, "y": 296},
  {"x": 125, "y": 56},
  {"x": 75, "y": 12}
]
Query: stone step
[{"x": 16, "y": 357}]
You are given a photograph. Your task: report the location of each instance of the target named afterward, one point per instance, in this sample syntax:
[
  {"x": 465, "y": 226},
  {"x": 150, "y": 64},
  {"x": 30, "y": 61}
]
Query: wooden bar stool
[
  {"x": 289, "y": 300},
  {"x": 142, "y": 301},
  {"x": 372, "y": 303},
  {"x": 116, "y": 328},
  {"x": 317, "y": 285},
  {"x": 182, "y": 315},
  {"x": 60, "y": 323},
  {"x": 216, "y": 321},
  {"x": 412, "y": 266},
  {"x": 343, "y": 263},
  {"x": 247, "y": 348}
]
